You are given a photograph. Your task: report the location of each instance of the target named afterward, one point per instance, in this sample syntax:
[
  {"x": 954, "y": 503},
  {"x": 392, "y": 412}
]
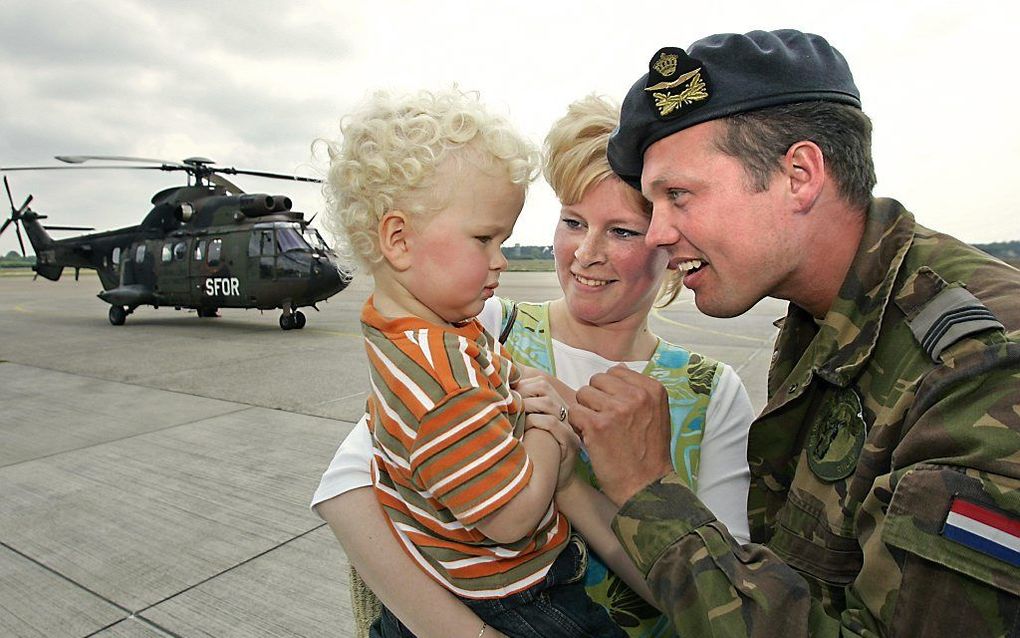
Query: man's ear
[
  {"x": 804, "y": 164},
  {"x": 395, "y": 240}
]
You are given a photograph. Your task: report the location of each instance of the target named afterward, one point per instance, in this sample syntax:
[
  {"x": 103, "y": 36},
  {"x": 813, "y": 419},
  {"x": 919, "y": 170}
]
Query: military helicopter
[{"x": 206, "y": 245}]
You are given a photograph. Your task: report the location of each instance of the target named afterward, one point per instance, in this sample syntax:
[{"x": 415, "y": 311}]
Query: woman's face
[{"x": 606, "y": 271}]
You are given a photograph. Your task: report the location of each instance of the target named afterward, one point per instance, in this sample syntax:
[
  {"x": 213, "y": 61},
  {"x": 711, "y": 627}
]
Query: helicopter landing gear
[
  {"x": 118, "y": 315},
  {"x": 292, "y": 320},
  {"x": 208, "y": 312}
]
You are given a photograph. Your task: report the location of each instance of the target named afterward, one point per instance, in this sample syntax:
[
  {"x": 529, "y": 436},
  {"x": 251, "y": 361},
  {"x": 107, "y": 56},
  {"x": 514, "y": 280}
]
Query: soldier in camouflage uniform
[{"x": 885, "y": 493}]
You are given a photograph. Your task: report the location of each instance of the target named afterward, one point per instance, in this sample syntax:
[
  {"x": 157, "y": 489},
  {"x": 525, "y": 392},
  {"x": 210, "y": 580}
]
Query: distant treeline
[
  {"x": 13, "y": 259},
  {"x": 1004, "y": 250},
  {"x": 527, "y": 252},
  {"x": 1008, "y": 251}
]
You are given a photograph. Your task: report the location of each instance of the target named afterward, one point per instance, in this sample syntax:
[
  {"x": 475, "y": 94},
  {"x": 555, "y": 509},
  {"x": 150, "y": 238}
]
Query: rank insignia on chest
[
  {"x": 677, "y": 83},
  {"x": 984, "y": 530},
  {"x": 837, "y": 437}
]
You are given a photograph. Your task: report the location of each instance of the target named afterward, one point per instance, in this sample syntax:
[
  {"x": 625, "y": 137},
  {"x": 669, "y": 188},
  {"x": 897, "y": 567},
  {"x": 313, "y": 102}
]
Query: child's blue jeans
[{"x": 557, "y": 607}]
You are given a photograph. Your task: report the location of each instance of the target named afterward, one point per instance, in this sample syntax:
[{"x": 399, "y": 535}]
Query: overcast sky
[{"x": 252, "y": 84}]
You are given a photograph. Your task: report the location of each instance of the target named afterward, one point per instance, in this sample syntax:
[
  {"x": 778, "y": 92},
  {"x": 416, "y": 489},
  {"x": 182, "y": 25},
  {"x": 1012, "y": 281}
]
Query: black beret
[{"x": 722, "y": 75}]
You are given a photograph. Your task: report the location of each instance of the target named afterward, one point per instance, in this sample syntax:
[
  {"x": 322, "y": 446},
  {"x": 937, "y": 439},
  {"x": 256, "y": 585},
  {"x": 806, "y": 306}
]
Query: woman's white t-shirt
[{"x": 723, "y": 475}]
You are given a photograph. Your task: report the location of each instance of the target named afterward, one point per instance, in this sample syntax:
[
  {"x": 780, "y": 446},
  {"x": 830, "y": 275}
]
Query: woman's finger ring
[{"x": 563, "y": 413}]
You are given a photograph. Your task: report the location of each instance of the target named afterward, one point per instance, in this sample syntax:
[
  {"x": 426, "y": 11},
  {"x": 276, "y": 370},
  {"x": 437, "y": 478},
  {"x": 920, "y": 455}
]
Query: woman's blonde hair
[
  {"x": 391, "y": 148},
  {"x": 575, "y": 162}
]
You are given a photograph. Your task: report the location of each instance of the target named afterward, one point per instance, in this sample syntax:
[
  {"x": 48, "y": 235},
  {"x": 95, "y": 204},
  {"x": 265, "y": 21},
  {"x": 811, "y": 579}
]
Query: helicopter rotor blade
[
  {"x": 69, "y": 227},
  {"x": 16, "y": 212},
  {"x": 24, "y": 206},
  {"x": 231, "y": 187},
  {"x": 8, "y": 187},
  {"x": 17, "y": 229},
  {"x": 78, "y": 159},
  {"x": 165, "y": 167},
  {"x": 296, "y": 178}
]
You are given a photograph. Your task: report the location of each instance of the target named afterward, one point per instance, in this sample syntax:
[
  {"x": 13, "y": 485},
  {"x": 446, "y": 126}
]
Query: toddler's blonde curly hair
[{"x": 389, "y": 153}]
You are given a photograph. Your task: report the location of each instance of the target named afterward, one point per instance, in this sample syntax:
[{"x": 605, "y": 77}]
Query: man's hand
[{"x": 623, "y": 419}]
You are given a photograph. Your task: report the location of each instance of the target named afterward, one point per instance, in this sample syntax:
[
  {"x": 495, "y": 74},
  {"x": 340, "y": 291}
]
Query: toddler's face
[{"x": 455, "y": 252}]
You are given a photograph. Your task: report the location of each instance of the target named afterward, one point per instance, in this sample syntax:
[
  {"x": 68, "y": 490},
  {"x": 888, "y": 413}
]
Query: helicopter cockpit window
[
  {"x": 167, "y": 254},
  {"x": 140, "y": 253},
  {"x": 115, "y": 257},
  {"x": 261, "y": 242},
  {"x": 215, "y": 246},
  {"x": 314, "y": 239},
  {"x": 180, "y": 250},
  {"x": 288, "y": 237},
  {"x": 200, "y": 250}
]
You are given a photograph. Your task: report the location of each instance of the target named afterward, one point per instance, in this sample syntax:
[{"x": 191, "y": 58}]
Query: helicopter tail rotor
[{"x": 16, "y": 214}]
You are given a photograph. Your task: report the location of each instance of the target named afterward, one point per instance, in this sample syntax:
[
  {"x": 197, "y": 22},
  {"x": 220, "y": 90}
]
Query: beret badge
[
  {"x": 666, "y": 64},
  {"x": 673, "y": 96}
]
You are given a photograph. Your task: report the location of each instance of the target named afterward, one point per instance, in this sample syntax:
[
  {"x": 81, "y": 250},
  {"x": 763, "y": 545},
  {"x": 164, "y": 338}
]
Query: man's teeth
[
  {"x": 689, "y": 265},
  {"x": 590, "y": 282}
]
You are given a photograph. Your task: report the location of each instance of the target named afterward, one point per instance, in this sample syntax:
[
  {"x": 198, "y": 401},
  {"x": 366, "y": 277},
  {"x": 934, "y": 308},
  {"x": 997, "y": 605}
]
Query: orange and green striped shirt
[{"x": 446, "y": 431}]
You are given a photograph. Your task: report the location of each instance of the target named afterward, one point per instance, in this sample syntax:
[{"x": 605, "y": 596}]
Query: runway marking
[
  {"x": 356, "y": 335},
  {"x": 349, "y": 396},
  {"x": 658, "y": 315}
]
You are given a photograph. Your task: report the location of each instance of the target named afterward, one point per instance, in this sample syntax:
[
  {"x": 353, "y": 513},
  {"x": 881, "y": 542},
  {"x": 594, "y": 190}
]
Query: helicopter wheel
[
  {"x": 299, "y": 319},
  {"x": 207, "y": 312},
  {"x": 118, "y": 315},
  {"x": 287, "y": 321}
]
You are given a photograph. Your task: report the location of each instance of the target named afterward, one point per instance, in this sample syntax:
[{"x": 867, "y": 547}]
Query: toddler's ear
[{"x": 394, "y": 228}]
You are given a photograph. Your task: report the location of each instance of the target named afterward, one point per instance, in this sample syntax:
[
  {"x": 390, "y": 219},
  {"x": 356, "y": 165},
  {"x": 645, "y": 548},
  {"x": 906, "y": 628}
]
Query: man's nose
[{"x": 663, "y": 229}]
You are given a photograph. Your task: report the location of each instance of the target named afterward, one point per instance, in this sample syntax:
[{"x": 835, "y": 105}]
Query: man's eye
[
  {"x": 484, "y": 238},
  {"x": 675, "y": 193}
]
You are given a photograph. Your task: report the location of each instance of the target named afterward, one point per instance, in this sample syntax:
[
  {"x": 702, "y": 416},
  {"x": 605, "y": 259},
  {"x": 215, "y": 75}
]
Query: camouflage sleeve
[
  {"x": 940, "y": 532},
  {"x": 704, "y": 581}
]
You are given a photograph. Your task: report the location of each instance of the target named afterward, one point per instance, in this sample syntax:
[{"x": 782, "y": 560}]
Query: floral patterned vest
[{"x": 689, "y": 380}]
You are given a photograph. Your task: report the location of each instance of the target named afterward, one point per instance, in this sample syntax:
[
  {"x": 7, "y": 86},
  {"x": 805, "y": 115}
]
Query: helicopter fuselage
[{"x": 200, "y": 248}]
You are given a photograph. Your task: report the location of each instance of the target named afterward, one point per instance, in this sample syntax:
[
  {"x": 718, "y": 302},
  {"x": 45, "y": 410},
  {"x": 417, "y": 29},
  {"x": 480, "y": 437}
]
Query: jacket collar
[
  {"x": 837, "y": 348},
  {"x": 847, "y": 335}
]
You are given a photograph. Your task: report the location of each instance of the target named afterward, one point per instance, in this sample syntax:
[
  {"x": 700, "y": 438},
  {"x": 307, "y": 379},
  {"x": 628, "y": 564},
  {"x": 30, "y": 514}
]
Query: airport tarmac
[{"x": 155, "y": 477}]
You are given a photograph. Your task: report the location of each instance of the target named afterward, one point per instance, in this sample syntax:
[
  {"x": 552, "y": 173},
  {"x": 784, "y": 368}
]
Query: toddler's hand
[
  {"x": 541, "y": 396},
  {"x": 566, "y": 438},
  {"x": 547, "y": 410}
]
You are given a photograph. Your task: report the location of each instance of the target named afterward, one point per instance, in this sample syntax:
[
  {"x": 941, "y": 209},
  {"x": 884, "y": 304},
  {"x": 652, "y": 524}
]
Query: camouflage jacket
[{"x": 885, "y": 468}]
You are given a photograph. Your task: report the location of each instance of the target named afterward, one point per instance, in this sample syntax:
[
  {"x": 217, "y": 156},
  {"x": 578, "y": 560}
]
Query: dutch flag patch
[{"x": 984, "y": 530}]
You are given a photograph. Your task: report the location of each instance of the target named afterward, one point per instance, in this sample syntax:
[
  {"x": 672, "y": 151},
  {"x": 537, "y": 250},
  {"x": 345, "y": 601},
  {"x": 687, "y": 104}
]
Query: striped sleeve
[{"x": 466, "y": 455}]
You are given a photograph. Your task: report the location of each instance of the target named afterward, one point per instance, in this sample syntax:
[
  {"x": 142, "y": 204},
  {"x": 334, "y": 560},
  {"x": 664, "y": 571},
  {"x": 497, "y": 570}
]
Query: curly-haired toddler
[{"x": 425, "y": 188}]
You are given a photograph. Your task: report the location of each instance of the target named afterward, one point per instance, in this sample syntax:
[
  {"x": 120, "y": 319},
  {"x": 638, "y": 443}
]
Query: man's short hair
[{"x": 759, "y": 139}]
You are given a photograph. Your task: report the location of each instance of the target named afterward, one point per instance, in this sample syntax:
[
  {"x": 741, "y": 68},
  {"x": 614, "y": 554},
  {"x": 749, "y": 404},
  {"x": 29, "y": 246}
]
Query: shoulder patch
[
  {"x": 983, "y": 529},
  {"x": 939, "y": 314}
]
